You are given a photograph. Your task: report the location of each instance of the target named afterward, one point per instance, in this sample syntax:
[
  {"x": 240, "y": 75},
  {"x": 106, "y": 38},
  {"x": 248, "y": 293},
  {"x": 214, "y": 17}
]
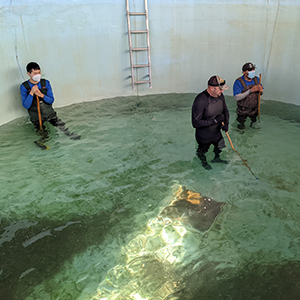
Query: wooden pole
[
  {"x": 259, "y": 99},
  {"x": 39, "y": 112},
  {"x": 40, "y": 143},
  {"x": 244, "y": 161}
]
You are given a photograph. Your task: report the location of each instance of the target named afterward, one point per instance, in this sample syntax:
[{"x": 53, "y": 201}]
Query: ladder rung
[
  {"x": 137, "y": 13},
  {"x": 140, "y": 49},
  {"x": 140, "y": 66},
  {"x": 133, "y": 48},
  {"x": 138, "y": 31},
  {"x": 144, "y": 81}
]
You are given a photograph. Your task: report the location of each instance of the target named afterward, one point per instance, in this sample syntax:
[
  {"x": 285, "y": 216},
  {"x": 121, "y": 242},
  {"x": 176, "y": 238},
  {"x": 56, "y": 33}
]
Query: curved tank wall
[{"x": 82, "y": 47}]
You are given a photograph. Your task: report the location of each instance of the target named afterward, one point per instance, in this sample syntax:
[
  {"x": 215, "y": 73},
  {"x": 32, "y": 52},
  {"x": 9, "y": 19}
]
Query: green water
[{"x": 67, "y": 212}]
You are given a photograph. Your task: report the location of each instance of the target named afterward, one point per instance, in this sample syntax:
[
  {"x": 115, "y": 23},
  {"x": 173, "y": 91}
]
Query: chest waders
[
  {"x": 48, "y": 114},
  {"x": 47, "y": 111},
  {"x": 249, "y": 105}
]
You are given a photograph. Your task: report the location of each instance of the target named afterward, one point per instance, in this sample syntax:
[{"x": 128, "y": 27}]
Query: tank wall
[{"x": 82, "y": 47}]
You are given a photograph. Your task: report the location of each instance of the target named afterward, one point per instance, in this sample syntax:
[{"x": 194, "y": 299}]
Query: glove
[
  {"x": 224, "y": 127},
  {"x": 219, "y": 119}
]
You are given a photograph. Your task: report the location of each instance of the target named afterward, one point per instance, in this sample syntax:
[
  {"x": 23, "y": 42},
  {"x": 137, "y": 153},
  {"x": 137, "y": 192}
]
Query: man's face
[
  {"x": 246, "y": 73},
  {"x": 215, "y": 91},
  {"x": 33, "y": 72}
]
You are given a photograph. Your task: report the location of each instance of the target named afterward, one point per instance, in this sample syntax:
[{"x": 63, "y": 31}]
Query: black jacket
[{"x": 208, "y": 113}]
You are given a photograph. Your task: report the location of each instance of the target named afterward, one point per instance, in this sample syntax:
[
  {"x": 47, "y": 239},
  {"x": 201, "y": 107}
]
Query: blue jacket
[
  {"x": 27, "y": 98},
  {"x": 30, "y": 102}
]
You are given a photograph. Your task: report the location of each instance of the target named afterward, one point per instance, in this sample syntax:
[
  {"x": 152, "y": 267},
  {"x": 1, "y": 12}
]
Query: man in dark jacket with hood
[{"x": 209, "y": 116}]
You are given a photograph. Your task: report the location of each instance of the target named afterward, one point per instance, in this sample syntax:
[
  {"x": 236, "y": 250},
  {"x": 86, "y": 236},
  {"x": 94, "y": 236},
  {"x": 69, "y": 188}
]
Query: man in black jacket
[{"x": 209, "y": 116}]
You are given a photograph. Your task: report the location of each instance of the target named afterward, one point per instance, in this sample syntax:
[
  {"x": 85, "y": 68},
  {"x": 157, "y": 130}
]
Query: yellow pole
[
  {"x": 244, "y": 161},
  {"x": 39, "y": 112},
  {"x": 39, "y": 142},
  {"x": 259, "y": 99}
]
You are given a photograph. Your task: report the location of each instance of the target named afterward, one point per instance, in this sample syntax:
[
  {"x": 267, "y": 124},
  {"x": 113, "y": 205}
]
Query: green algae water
[{"x": 69, "y": 214}]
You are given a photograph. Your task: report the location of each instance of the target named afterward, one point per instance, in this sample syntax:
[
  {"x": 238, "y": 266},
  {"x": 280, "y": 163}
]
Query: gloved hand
[
  {"x": 219, "y": 119},
  {"x": 224, "y": 127}
]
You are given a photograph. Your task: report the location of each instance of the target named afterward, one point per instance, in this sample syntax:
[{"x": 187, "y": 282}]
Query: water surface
[{"x": 67, "y": 212}]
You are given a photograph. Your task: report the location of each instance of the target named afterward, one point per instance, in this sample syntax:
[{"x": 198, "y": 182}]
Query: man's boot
[
  {"x": 241, "y": 120},
  {"x": 71, "y": 135},
  {"x": 217, "y": 159},
  {"x": 204, "y": 162},
  {"x": 241, "y": 126}
]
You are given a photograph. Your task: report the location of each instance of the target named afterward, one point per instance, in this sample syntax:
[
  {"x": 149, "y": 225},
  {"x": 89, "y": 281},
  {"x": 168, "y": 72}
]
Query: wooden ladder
[{"x": 139, "y": 51}]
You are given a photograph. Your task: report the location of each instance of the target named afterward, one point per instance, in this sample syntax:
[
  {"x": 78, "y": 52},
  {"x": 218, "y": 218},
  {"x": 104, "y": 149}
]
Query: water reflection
[{"x": 151, "y": 263}]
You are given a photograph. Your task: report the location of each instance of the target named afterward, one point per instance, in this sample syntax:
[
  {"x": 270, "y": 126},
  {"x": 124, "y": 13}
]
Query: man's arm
[
  {"x": 225, "y": 112},
  {"x": 48, "y": 98},
  {"x": 226, "y": 116},
  {"x": 27, "y": 98},
  {"x": 242, "y": 96},
  {"x": 237, "y": 90}
]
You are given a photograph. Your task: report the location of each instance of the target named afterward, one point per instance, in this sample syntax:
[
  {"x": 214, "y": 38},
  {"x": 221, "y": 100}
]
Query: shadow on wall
[{"x": 14, "y": 90}]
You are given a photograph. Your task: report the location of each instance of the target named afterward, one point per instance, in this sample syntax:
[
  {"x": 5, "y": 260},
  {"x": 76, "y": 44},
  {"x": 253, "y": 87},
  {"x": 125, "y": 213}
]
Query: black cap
[
  {"x": 248, "y": 67},
  {"x": 217, "y": 81}
]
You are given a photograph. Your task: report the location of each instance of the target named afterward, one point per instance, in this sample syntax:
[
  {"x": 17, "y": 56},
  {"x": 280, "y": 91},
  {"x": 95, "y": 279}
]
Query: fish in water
[
  {"x": 151, "y": 264},
  {"x": 193, "y": 209}
]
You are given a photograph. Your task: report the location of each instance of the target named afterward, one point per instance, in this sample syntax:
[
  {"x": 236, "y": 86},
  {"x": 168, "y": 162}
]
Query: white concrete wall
[{"x": 82, "y": 47}]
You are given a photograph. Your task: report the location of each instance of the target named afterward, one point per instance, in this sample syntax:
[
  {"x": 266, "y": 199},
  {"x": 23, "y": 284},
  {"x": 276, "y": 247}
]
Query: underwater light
[{"x": 150, "y": 262}]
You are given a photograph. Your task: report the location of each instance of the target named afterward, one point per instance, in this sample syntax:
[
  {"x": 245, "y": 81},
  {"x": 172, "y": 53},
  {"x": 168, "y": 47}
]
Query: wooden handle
[
  {"x": 229, "y": 139},
  {"x": 39, "y": 112},
  {"x": 259, "y": 98},
  {"x": 244, "y": 161}
]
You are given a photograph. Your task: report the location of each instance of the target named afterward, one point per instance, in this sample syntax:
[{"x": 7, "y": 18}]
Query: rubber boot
[
  {"x": 71, "y": 135},
  {"x": 204, "y": 162},
  {"x": 62, "y": 127},
  {"x": 44, "y": 138},
  {"x": 217, "y": 159},
  {"x": 241, "y": 126}
]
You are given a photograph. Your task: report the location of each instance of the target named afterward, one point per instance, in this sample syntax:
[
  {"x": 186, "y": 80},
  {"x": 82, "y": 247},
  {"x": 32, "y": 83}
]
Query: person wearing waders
[
  {"x": 39, "y": 88},
  {"x": 246, "y": 91},
  {"x": 210, "y": 115}
]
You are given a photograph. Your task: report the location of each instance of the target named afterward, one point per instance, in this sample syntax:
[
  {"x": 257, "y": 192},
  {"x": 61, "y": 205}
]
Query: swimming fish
[
  {"x": 193, "y": 209},
  {"x": 150, "y": 267}
]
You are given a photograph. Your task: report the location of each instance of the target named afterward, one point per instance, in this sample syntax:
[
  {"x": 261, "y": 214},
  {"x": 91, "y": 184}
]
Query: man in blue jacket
[
  {"x": 209, "y": 116},
  {"x": 38, "y": 89}
]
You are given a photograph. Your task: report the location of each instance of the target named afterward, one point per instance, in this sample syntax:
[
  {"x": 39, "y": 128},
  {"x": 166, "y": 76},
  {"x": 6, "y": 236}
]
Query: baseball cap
[
  {"x": 248, "y": 67},
  {"x": 217, "y": 81}
]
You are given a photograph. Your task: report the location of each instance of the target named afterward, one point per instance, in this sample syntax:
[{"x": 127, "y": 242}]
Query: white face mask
[
  {"x": 251, "y": 74},
  {"x": 37, "y": 77}
]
